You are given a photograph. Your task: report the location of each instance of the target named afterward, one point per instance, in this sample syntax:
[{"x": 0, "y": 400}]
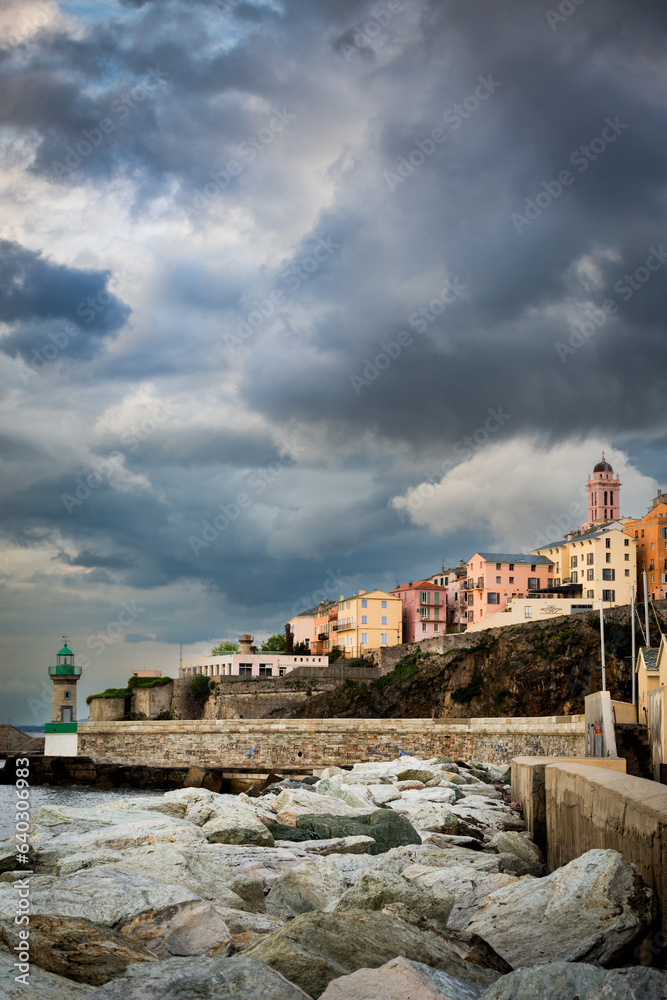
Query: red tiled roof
[{"x": 419, "y": 585}]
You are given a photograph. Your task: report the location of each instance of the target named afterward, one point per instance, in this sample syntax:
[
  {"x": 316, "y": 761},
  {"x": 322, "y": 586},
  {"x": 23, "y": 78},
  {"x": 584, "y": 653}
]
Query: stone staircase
[{"x": 632, "y": 743}]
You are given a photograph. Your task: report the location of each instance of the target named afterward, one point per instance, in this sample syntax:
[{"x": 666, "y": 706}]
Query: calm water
[{"x": 77, "y": 795}]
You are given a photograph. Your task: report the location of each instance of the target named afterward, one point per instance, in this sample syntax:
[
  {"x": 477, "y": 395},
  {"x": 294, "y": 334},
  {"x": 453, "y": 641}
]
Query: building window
[
  {"x": 642, "y": 532},
  {"x": 436, "y": 614},
  {"x": 511, "y": 579},
  {"x": 364, "y": 602},
  {"x": 573, "y": 560},
  {"x": 533, "y": 567},
  {"x": 245, "y": 669},
  {"x": 67, "y": 694},
  {"x": 627, "y": 541},
  {"x": 534, "y": 583},
  {"x": 511, "y": 567},
  {"x": 608, "y": 595},
  {"x": 470, "y": 615},
  {"x": 281, "y": 670},
  {"x": 383, "y": 638},
  {"x": 627, "y": 572},
  {"x": 605, "y": 498},
  {"x": 498, "y": 565},
  {"x": 423, "y": 613},
  {"x": 575, "y": 576},
  {"x": 364, "y": 619},
  {"x": 383, "y": 604},
  {"x": 493, "y": 598},
  {"x": 423, "y": 597},
  {"x": 607, "y": 543},
  {"x": 364, "y": 638},
  {"x": 349, "y": 640},
  {"x": 436, "y": 597},
  {"x": 590, "y": 574},
  {"x": 652, "y": 546},
  {"x": 498, "y": 579},
  {"x": 652, "y": 565},
  {"x": 424, "y": 626},
  {"x": 265, "y": 670},
  {"x": 590, "y": 593},
  {"x": 436, "y": 627},
  {"x": 384, "y": 620},
  {"x": 627, "y": 557},
  {"x": 528, "y": 612},
  {"x": 589, "y": 558},
  {"x": 608, "y": 574},
  {"x": 663, "y": 533}
]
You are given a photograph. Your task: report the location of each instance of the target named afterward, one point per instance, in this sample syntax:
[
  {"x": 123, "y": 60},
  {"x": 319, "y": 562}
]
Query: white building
[{"x": 249, "y": 665}]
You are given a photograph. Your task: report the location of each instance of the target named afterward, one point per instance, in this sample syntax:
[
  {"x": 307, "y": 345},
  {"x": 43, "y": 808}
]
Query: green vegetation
[
  {"x": 335, "y": 654},
  {"x": 225, "y": 647},
  {"x": 274, "y": 644},
  {"x": 406, "y": 668},
  {"x": 501, "y": 696},
  {"x": 110, "y": 693},
  {"x": 464, "y": 695},
  {"x": 200, "y": 688},
  {"x": 148, "y": 682}
]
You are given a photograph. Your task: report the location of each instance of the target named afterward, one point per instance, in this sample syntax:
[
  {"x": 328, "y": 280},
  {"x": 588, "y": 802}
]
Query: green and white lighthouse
[{"x": 61, "y": 736}]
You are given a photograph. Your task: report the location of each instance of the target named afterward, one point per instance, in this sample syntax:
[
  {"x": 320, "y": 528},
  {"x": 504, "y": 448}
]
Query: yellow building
[
  {"x": 651, "y": 702},
  {"x": 367, "y": 621},
  {"x": 601, "y": 563}
]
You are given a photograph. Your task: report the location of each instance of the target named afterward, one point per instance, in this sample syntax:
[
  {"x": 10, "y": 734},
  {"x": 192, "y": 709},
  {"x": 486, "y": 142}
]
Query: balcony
[
  {"x": 65, "y": 670},
  {"x": 322, "y": 636}
]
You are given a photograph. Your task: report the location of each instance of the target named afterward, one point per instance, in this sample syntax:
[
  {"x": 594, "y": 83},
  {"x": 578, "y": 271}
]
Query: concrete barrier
[
  {"x": 528, "y": 788},
  {"x": 588, "y": 807}
]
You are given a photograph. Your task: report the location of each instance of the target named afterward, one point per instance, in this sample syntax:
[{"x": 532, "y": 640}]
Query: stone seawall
[
  {"x": 245, "y": 698},
  {"x": 323, "y": 742},
  {"x": 387, "y": 657}
]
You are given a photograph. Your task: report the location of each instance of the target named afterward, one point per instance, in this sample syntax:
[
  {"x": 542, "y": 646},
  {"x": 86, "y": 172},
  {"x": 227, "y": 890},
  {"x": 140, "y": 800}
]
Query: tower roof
[
  {"x": 603, "y": 466},
  {"x": 65, "y": 652}
]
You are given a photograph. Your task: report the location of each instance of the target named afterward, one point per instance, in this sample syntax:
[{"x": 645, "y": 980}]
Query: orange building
[
  {"x": 650, "y": 533},
  {"x": 326, "y": 617}
]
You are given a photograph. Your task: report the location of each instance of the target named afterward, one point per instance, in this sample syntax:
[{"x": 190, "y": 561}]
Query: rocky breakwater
[{"x": 391, "y": 880}]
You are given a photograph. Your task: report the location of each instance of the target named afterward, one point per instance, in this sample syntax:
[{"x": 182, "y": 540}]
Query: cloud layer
[{"x": 321, "y": 245}]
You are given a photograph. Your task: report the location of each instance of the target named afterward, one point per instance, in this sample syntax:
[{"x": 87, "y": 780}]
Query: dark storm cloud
[
  {"x": 400, "y": 232},
  {"x": 37, "y": 297}
]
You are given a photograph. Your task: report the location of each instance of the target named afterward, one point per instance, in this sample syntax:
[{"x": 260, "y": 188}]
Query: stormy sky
[{"x": 302, "y": 296}]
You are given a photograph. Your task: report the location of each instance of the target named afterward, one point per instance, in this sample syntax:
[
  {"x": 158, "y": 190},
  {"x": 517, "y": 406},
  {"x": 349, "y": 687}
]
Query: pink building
[
  {"x": 424, "y": 610},
  {"x": 453, "y": 580},
  {"x": 496, "y": 577},
  {"x": 604, "y": 493}
]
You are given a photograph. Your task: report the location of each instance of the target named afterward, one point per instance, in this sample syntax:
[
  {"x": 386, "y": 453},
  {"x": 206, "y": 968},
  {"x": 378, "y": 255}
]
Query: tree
[
  {"x": 274, "y": 644},
  {"x": 200, "y": 688},
  {"x": 301, "y": 649},
  {"x": 225, "y": 647},
  {"x": 335, "y": 654}
]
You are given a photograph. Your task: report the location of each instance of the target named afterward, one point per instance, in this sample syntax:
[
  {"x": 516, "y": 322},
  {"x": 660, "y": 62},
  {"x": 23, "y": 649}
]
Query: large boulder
[
  {"x": 337, "y": 845},
  {"x": 123, "y": 836},
  {"x": 152, "y": 803},
  {"x": 51, "y": 820},
  {"x": 248, "y": 928},
  {"x": 310, "y": 886},
  {"x": 356, "y": 796},
  {"x": 166, "y": 919},
  {"x": 588, "y": 911},
  {"x": 40, "y": 984},
  {"x": 224, "y": 819},
  {"x": 317, "y": 947},
  {"x": 78, "y": 949},
  {"x": 240, "y": 826},
  {"x": 467, "y": 887},
  {"x": 377, "y": 889},
  {"x": 487, "y": 812},
  {"x": 566, "y": 980},
  {"x": 433, "y": 817},
  {"x": 401, "y": 979},
  {"x": 295, "y": 803},
  {"x": 387, "y": 828},
  {"x": 219, "y": 979},
  {"x": 520, "y": 844}
]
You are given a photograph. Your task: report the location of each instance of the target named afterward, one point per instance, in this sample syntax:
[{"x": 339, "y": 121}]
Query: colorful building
[
  {"x": 452, "y": 580},
  {"x": 248, "y": 665},
  {"x": 596, "y": 564},
  {"x": 368, "y": 620},
  {"x": 324, "y": 635},
  {"x": 494, "y": 578},
  {"x": 650, "y": 535},
  {"x": 424, "y": 610},
  {"x": 604, "y": 494}
]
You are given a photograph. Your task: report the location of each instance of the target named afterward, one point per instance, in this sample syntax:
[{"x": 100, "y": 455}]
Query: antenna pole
[
  {"x": 604, "y": 672},
  {"x": 632, "y": 617},
  {"x": 648, "y": 634}
]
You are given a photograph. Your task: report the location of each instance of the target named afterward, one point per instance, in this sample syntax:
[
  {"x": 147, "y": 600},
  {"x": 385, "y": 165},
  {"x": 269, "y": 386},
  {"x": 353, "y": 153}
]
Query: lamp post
[
  {"x": 604, "y": 672},
  {"x": 632, "y": 614}
]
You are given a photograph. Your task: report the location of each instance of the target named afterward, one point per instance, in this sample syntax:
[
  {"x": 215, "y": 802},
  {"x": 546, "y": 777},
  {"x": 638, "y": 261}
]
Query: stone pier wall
[{"x": 323, "y": 742}]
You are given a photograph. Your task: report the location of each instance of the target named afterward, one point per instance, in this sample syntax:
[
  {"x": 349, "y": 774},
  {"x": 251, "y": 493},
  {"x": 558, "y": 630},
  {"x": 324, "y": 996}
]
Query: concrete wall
[
  {"x": 61, "y": 744},
  {"x": 600, "y": 735},
  {"x": 241, "y": 698},
  {"x": 624, "y": 713},
  {"x": 106, "y": 709},
  {"x": 589, "y": 807},
  {"x": 528, "y": 788},
  {"x": 656, "y": 729},
  {"x": 322, "y": 742},
  {"x": 152, "y": 702}
]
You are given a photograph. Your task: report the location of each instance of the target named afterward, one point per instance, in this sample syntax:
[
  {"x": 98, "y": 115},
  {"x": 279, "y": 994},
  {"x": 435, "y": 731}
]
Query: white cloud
[{"x": 520, "y": 492}]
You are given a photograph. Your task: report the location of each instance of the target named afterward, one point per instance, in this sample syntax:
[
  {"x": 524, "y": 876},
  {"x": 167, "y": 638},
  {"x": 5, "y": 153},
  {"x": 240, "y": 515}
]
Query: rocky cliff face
[{"x": 546, "y": 668}]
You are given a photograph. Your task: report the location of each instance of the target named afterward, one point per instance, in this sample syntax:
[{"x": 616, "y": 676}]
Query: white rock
[{"x": 401, "y": 979}]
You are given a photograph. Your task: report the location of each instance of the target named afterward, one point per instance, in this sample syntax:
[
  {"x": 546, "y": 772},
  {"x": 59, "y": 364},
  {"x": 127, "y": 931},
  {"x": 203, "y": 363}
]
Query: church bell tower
[{"x": 604, "y": 493}]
